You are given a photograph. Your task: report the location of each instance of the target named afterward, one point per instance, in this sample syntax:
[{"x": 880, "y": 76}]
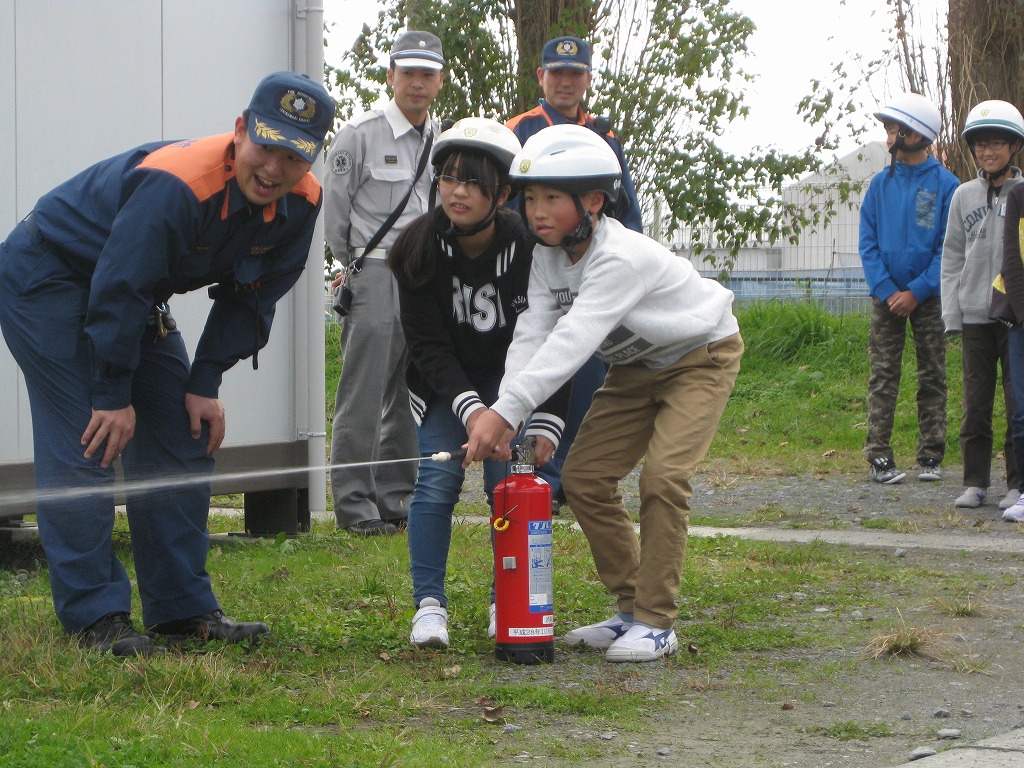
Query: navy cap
[
  {"x": 418, "y": 50},
  {"x": 566, "y": 53},
  {"x": 291, "y": 110}
]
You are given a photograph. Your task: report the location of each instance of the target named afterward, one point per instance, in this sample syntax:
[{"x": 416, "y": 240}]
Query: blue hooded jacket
[{"x": 902, "y": 227}]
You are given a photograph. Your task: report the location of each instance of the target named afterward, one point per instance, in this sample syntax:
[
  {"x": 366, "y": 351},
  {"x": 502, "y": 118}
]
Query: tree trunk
[
  {"x": 536, "y": 22},
  {"x": 985, "y": 62}
]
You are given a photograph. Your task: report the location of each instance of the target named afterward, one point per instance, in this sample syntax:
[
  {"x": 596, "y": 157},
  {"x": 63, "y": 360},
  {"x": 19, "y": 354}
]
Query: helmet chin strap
[
  {"x": 437, "y": 221},
  {"x": 583, "y": 230},
  {"x": 901, "y": 143}
]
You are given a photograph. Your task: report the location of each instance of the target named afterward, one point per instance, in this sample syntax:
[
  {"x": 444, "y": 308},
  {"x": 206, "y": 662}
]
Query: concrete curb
[{"x": 1006, "y": 751}]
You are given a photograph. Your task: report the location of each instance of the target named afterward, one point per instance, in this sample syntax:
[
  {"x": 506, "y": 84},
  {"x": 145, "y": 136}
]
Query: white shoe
[
  {"x": 600, "y": 635},
  {"x": 1015, "y": 514},
  {"x": 972, "y": 498},
  {"x": 492, "y": 622},
  {"x": 643, "y": 643},
  {"x": 430, "y": 625},
  {"x": 1011, "y": 498},
  {"x": 929, "y": 470}
]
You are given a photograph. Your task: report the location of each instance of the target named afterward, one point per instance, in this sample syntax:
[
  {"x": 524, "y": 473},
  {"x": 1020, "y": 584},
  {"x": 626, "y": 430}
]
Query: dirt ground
[{"x": 889, "y": 707}]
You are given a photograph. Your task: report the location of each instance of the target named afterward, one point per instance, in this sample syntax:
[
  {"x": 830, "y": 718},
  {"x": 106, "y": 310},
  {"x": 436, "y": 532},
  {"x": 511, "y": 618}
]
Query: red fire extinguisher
[{"x": 523, "y": 572}]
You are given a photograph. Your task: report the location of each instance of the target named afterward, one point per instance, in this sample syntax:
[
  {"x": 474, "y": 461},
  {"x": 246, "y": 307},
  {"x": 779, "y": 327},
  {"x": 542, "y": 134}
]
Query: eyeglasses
[
  {"x": 450, "y": 182},
  {"x": 995, "y": 145}
]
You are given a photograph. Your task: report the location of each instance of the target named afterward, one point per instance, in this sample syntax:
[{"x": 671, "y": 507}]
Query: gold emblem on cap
[
  {"x": 567, "y": 48},
  {"x": 984, "y": 112},
  {"x": 469, "y": 132},
  {"x": 524, "y": 165},
  {"x": 298, "y": 104},
  {"x": 264, "y": 131},
  {"x": 305, "y": 146}
]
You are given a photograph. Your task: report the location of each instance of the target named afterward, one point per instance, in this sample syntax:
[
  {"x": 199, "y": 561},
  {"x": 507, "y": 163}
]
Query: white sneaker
[
  {"x": 929, "y": 470},
  {"x": 972, "y": 498},
  {"x": 643, "y": 643},
  {"x": 600, "y": 635},
  {"x": 430, "y": 625},
  {"x": 1015, "y": 514},
  {"x": 492, "y": 623},
  {"x": 1011, "y": 498}
]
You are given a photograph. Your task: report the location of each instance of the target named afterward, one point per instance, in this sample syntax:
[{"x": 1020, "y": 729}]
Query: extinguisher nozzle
[{"x": 442, "y": 456}]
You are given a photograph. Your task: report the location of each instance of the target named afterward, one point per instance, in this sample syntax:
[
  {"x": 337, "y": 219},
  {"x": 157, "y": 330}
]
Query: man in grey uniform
[{"x": 371, "y": 166}]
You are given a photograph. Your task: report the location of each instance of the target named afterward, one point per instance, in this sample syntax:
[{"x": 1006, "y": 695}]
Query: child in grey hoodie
[{"x": 971, "y": 256}]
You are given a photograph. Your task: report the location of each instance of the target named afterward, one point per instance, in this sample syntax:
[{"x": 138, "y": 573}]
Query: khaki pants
[{"x": 669, "y": 415}]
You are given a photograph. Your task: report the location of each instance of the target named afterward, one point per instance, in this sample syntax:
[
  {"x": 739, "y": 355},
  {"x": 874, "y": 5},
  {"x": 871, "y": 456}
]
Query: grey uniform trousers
[{"x": 372, "y": 418}]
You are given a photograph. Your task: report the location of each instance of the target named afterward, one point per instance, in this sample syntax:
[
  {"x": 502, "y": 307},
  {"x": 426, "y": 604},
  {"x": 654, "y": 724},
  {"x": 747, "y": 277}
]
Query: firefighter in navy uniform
[{"x": 84, "y": 282}]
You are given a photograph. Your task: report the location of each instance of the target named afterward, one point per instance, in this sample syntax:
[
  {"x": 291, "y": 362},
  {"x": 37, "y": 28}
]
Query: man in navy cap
[
  {"x": 371, "y": 167},
  {"x": 565, "y": 76},
  {"x": 84, "y": 285}
]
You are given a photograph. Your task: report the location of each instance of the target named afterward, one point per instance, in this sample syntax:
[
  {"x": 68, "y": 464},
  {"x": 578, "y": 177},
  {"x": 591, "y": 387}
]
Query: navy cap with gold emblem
[
  {"x": 290, "y": 110},
  {"x": 566, "y": 53}
]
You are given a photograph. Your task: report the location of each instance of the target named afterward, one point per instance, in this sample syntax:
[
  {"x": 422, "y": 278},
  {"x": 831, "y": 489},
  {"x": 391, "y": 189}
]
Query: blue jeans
[
  {"x": 42, "y": 314},
  {"x": 585, "y": 382},
  {"x": 438, "y": 486},
  {"x": 1015, "y": 339}
]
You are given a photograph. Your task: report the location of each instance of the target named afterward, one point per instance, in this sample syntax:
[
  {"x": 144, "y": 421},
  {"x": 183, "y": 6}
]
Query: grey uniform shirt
[{"x": 370, "y": 166}]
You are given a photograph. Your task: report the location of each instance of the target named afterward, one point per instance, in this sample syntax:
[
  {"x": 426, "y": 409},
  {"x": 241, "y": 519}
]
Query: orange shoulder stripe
[
  {"x": 204, "y": 164},
  {"x": 538, "y": 110}
]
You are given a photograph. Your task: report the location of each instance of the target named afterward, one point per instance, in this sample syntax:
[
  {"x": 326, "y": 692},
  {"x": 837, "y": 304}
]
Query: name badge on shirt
[{"x": 391, "y": 159}]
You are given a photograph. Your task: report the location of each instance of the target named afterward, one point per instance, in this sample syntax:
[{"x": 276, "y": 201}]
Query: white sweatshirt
[{"x": 628, "y": 298}]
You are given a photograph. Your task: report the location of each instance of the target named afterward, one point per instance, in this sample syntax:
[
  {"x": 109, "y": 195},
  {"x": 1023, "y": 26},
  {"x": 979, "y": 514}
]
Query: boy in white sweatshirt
[
  {"x": 675, "y": 351},
  {"x": 972, "y": 254}
]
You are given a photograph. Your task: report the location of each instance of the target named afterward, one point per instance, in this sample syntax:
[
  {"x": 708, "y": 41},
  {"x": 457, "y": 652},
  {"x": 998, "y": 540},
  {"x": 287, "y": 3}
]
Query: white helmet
[
  {"x": 477, "y": 134},
  {"x": 994, "y": 116},
  {"x": 912, "y": 111},
  {"x": 571, "y": 158}
]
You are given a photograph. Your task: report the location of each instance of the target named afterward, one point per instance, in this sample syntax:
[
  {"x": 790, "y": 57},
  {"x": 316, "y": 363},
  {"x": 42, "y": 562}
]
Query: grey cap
[{"x": 418, "y": 50}]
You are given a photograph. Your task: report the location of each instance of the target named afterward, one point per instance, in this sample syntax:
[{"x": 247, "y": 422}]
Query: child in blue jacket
[{"x": 902, "y": 226}]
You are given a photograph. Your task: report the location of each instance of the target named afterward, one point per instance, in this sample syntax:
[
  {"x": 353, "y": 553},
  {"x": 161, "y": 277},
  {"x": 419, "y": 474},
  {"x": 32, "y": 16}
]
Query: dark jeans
[{"x": 986, "y": 350}]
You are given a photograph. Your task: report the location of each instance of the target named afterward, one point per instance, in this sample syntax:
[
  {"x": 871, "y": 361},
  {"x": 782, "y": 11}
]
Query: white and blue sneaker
[
  {"x": 430, "y": 625},
  {"x": 602, "y": 634},
  {"x": 972, "y": 498},
  {"x": 1015, "y": 514},
  {"x": 643, "y": 643}
]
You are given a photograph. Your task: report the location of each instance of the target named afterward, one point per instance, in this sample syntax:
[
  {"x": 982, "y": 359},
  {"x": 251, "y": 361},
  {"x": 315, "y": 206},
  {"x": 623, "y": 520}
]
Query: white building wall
[{"x": 90, "y": 79}]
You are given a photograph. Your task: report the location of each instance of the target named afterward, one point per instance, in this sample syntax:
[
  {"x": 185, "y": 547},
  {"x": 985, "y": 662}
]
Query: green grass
[{"x": 337, "y": 684}]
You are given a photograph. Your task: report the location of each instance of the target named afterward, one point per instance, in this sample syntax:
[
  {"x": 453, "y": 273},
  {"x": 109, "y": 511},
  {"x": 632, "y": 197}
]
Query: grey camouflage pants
[{"x": 886, "y": 340}]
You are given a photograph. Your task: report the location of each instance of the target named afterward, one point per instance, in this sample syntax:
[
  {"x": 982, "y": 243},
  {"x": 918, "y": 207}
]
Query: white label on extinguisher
[
  {"x": 542, "y": 594},
  {"x": 531, "y": 631}
]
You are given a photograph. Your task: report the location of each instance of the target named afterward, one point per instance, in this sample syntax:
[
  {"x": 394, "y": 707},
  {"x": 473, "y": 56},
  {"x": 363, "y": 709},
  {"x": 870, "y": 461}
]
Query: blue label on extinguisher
[{"x": 542, "y": 593}]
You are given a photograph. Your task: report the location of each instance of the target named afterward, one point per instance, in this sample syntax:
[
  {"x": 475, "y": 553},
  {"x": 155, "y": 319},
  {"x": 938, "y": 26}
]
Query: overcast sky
[{"x": 795, "y": 41}]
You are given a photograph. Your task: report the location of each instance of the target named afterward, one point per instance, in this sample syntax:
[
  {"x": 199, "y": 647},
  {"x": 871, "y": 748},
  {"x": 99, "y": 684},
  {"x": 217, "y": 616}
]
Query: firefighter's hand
[
  {"x": 114, "y": 427},
  {"x": 543, "y": 450},
  {"x": 489, "y": 436},
  {"x": 211, "y": 411}
]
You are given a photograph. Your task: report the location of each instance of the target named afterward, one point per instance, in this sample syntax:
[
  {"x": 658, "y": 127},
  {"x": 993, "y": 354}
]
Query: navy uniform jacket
[
  {"x": 166, "y": 218},
  {"x": 527, "y": 124}
]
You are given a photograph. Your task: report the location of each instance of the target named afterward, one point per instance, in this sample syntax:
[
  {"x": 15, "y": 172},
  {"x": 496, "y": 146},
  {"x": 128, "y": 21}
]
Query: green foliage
[{"x": 668, "y": 73}]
